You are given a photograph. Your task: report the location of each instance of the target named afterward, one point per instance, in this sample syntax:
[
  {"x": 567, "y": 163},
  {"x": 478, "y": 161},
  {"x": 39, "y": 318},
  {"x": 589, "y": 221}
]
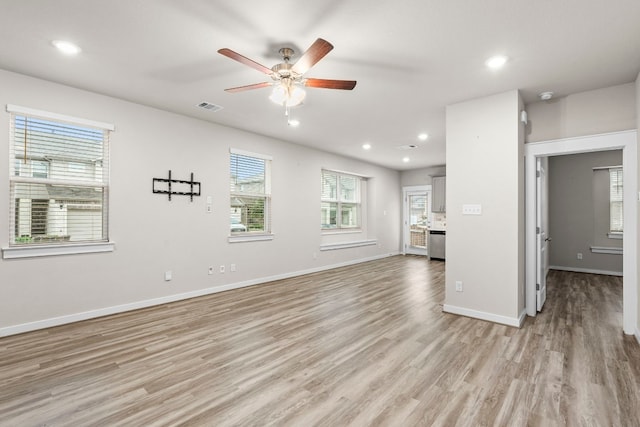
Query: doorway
[
  {"x": 620, "y": 140},
  {"x": 416, "y": 217}
]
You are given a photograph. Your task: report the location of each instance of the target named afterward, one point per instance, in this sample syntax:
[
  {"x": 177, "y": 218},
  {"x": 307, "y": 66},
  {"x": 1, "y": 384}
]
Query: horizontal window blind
[
  {"x": 58, "y": 184},
  {"x": 616, "y": 200},
  {"x": 250, "y": 190}
]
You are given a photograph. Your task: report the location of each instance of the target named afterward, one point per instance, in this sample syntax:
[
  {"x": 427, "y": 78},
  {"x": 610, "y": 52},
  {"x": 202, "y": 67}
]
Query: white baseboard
[
  {"x": 638, "y": 335},
  {"x": 495, "y": 318},
  {"x": 92, "y": 314},
  {"x": 586, "y": 270}
]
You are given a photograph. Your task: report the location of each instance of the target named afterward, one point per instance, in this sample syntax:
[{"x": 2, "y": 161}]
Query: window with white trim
[
  {"x": 59, "y": 179},
  {"x": 340, "y": 201},
  {"x": 250, "y": 204},
  {"x": 616, "y": 198}
]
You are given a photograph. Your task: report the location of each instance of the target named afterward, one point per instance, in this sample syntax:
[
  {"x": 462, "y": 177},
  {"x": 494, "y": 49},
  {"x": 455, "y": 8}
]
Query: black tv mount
[{"x": 169, "y": 191}]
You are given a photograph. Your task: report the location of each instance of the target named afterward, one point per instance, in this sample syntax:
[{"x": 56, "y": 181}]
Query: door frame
[
  {"x": 405, "y": 212},
  {"x": 627, "y": 142},
  {"x": 542, "y": 249}
]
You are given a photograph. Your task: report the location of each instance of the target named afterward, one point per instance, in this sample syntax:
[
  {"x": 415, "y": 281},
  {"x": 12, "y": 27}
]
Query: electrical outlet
[
  {"x": 458, "y": 286},
  {"x": 222, "y": 269},
  {"x": 167, "y": 276},
  {"x": 579, "y": 255},
  {"x": 210, "y": 271}
]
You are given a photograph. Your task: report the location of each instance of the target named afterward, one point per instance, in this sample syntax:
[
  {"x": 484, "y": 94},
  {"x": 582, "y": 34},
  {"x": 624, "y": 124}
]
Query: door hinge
[
  {"x": 537, "y": 286},
  {"x": 537, "y": 175},
  {"x": 537, "y": 230}
]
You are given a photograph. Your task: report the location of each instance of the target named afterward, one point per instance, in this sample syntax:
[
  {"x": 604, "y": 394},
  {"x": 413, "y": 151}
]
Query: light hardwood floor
[{"x": 362, "y": 345}]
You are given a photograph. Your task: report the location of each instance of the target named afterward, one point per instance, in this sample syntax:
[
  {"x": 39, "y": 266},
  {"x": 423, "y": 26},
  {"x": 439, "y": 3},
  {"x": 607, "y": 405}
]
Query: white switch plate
[
  {"x": 167, "y": 275},
  {"x": 471, "y": 209}
]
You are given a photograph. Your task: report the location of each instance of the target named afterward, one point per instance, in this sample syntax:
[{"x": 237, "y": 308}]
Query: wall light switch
[{"x": 471, "y": 209}]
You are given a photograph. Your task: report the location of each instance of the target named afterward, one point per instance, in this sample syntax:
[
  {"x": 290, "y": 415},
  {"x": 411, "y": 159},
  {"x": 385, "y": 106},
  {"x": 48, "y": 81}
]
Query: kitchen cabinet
[{"x": 438, "y": 195}]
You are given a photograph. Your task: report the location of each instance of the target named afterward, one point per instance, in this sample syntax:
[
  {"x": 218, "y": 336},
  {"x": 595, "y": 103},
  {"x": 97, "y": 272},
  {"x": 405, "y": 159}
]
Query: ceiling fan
[{"x": 288, "y": 79}]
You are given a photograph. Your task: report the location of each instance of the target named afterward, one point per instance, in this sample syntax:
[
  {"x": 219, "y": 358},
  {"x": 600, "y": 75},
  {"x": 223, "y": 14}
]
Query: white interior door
[
  {"x": 417, "y": 208},
  {"x": 542, "y": 240}
]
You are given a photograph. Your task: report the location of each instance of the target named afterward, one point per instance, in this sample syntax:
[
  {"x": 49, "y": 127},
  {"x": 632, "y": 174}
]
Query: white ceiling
[{"x": 411, "y": 58}]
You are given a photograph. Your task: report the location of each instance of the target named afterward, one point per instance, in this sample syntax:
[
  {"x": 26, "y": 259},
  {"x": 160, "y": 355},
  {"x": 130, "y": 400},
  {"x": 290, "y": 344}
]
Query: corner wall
[
  {"x": 637, "y": 110},
  {"x": 485, "y": 166},
  {"x": 153, "y": 235}
]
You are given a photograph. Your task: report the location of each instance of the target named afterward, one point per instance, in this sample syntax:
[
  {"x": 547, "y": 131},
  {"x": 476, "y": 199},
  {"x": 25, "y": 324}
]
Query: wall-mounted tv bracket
[{"x": 169, "y": 191}]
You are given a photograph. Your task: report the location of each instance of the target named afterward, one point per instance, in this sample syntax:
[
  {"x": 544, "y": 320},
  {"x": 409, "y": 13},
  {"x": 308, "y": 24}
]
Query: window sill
[
  {"x": 345, "y": 245},
  {"x": 606, "y": 250},
  {"x": 334, "y": 231},
  {"x": 33, "y": 251},
  {"x": 615, "y": 235},
  {"x": 250, "y": 238}
]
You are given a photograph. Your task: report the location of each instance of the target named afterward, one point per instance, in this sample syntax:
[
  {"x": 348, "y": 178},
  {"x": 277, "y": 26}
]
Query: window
[
  {"x": 58, "y": 181},
  {"x": 341, "y": 200},
  {"x": 616, "y": 197},
  {"x": 250, "y": 193}
]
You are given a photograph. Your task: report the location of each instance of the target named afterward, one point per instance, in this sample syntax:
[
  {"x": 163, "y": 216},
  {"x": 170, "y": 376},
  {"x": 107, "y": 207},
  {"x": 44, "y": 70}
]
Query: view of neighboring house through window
[
  {"x": 250, "y": 180},
  {"x": 616, "y": 218},
  {"x": 58, "y": 181},
  {"x": 341, "y": 200}
]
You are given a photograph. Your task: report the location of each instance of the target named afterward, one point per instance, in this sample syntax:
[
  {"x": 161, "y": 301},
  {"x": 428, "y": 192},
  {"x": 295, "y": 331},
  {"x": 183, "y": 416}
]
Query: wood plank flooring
[{"x": 365, "y": 345}]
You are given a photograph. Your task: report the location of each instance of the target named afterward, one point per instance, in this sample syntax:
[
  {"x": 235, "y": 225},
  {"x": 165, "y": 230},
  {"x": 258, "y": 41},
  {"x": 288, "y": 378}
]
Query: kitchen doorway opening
[{"x": 416, "y": 219}]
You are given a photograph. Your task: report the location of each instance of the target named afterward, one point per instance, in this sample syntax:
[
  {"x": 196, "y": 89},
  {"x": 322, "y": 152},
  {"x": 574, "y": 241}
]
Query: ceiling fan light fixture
[{"x": 288, "y": 95}]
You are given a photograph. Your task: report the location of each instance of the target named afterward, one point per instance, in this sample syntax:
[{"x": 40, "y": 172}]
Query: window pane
[
  {"x": 247, "y": 174},
  {"x": 349, "y": 215},
  {"x": 329, "y": 186},
  {"x": 349, "y": 188},
  {"x": 249, "y": 214},
  {"x": 52, "y": 213},
  {"x": 616, "y": 197},
  {"x": 329, "y": 215}
]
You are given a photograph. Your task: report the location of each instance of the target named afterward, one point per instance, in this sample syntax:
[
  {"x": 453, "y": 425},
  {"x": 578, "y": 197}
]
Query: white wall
[
  {"x": 485, "y": 166},
  {"x": 609, "y": 109},
  {"x": 153, "y": 235}
]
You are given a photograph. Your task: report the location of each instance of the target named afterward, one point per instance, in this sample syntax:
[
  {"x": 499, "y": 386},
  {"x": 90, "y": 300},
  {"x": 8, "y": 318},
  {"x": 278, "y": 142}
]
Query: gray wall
[
  {"x": 578, "y": 211},
  {"x": 421, "y": 176},
  {"x": 593, "y": 112},
  {"x": 153, "y": 235}
]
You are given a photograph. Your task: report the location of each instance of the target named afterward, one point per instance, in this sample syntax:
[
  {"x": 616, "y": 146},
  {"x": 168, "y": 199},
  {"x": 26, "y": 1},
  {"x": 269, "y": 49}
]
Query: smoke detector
[{"x": 545, "y": 96}]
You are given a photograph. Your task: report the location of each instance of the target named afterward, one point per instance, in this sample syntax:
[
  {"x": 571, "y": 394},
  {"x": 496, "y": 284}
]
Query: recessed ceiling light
[
  {"x": 65, "y": 47},
  {"x": 496, "y": 62},
  {"x": 405, "y": 159},
  {"x": 294, "y": 123},
  {"x": 366, "y": 146},
  {"x": 423, "y": 137}
]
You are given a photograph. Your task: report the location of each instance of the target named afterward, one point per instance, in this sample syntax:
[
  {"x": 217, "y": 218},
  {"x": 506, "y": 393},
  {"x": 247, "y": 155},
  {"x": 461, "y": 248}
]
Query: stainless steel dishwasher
[{"x": 437, "y": 240}]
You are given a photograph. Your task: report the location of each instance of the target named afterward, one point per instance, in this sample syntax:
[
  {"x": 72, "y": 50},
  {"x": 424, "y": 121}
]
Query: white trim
[
  {"x": 606, "y": 250},
  {"x": 359, "y": 175},
  {"x": 250, "y": 154},
  {"x": 250, "y": 238},
  {"x": 627, "y": 141},
  {"x": 597, "y": 168},
  {"x": 62, "y": 117},
  {"x": 345, "y": 245},
  {"x": 638, "y": 335},
  {"x": 31, "y": 251},
  {"x": 586, "y": 270},
  {"x": 482, "y": 315},
  {"x": 615, "y": 235},
  {"x": 339, "y": 231},
  {"x": 71, "y": 318}
]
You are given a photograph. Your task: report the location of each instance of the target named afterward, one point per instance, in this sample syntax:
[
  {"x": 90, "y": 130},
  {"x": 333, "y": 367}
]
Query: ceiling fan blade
[
  {"x": 244, "y": 60},
  {"x": 315, "y": 53},
  {"x": 248, "y": 87},
  {"x": 330, "y": 84}
]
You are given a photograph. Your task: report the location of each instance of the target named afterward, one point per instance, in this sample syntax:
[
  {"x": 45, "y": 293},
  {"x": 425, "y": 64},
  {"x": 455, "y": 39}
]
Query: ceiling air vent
[
  {"x": 209, "y": 106},
  {"x": 407, "y": 147}
]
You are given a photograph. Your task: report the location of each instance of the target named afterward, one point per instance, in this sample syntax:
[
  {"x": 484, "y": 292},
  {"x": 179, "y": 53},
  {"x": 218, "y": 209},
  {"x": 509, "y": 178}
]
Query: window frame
[
  {"x": 339, "y": 201},
  {"x": 248, "y": 235},
  {"x": 616, "y": 180},
  {"x": 16, "y": 249}
]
